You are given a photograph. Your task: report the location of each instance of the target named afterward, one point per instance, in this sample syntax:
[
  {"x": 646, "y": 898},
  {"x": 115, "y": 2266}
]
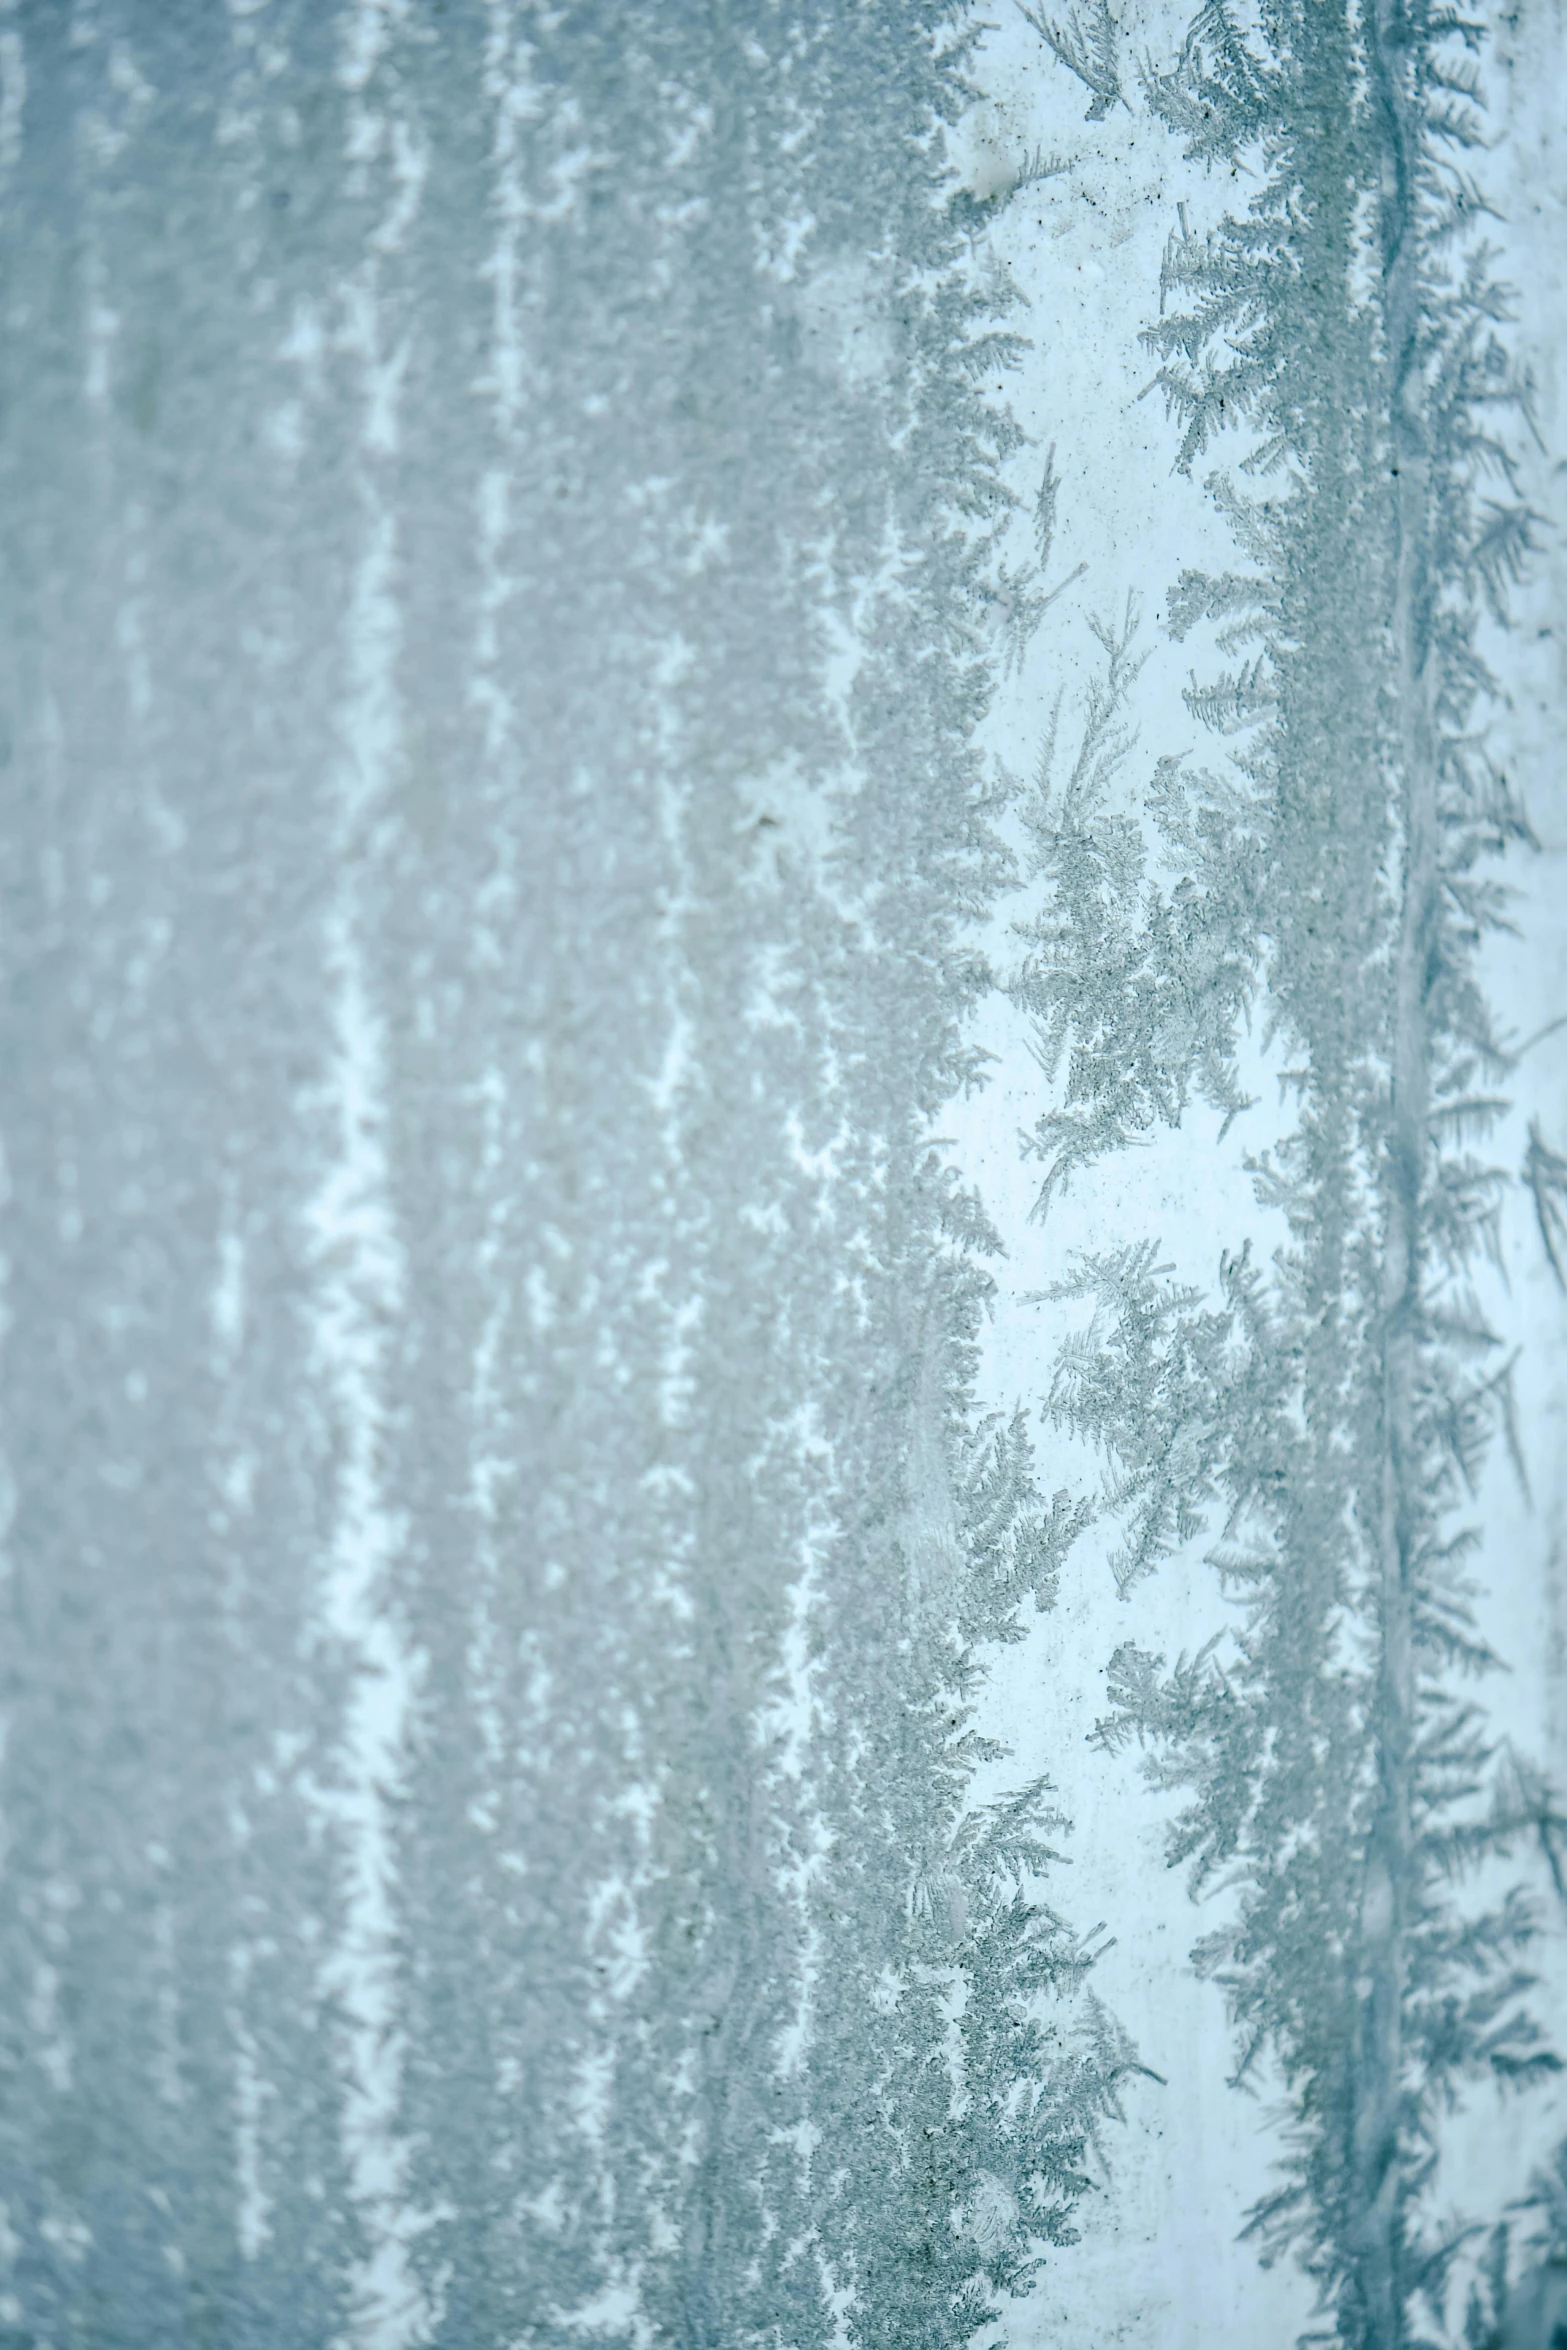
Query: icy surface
[{"x": 776, "y": 1180}]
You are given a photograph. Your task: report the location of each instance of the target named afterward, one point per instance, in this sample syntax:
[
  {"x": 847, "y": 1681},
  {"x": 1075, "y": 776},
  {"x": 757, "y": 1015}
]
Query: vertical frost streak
[{"x": 360, "y": 1276}]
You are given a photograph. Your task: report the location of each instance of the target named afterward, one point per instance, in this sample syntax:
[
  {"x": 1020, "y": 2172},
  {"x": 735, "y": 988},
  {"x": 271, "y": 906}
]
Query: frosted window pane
[{"x": 785, "y": 1175}]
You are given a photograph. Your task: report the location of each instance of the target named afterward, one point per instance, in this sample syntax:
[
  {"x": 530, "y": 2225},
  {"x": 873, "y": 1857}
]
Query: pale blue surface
[{"x": 562, "y": 1527}]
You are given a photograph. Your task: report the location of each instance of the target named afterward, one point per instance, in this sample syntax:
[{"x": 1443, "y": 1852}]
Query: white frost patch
[
  {"x": 228, "y": 1294},
  {"x": 13, "y": 99},
  {"x": 254, "y": 2223},
  {"x": 52, "y": 2050},
  {"x": 590, "y": 2094},
  {"x": 613, "y": 2310},
  {"x": 356, "y": 1245},
  {"x": 665, "y": 1087}
]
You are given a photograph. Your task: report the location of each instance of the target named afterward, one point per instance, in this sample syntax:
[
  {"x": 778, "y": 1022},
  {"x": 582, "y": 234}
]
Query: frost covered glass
[{"x": 783, "y": 992}]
